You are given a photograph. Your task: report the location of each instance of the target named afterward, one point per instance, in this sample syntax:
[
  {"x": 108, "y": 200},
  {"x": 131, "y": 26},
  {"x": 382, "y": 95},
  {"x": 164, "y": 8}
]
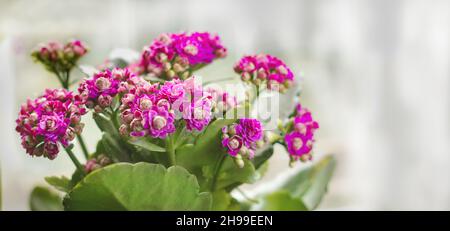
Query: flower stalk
[{"x": 75, "y": 160}]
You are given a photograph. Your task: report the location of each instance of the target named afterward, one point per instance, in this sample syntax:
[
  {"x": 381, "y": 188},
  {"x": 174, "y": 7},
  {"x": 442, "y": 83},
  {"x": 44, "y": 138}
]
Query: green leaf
[
  {"x": 145, "y": 144},
  {"x": 210, "y": 139},
  {"x": 236, "y": 205},
  {"x": 308, "y": 186},
  {"x": 231, "y": 175},
  {"x": 77, "y": 176},
  {"x": 60, "y": 183},
  {"x": 42, "y": 199},
  {"x": 262, "y": 156},
  {"x": 282, "y": 201},
  {"x": 105, "y": 124},
  {"x": 221, "y": 200},
  {"x": 114, "y": 148},
  {"x": 141, "y": 186},
  {"x": 206, "y": 150},
  {"x": 317, "y": 179}
]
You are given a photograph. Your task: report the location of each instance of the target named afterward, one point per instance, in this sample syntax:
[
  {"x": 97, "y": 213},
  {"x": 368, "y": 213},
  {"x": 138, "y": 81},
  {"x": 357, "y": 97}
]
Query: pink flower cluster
[
  {"x": 150, "y": 109},
  {"x": 300, "y": 141},
  {"x": 177, "y": 55},
  {"x": 242, "y": 138},
  {"x": 51, "y": 119},
  {"x": 223, "y": 101},
  {"x": 57, "y": 57},
  {"x": 98, "y": 91},
  {"x": 265, "y": 69}
]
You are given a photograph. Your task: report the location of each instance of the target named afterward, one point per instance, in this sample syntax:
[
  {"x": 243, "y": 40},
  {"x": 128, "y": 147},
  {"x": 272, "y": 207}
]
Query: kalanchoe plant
[{"x": 194, "y": 144}]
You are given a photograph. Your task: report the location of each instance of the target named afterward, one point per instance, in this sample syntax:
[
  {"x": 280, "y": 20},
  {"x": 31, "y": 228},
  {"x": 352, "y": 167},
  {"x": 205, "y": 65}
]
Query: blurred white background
[{"x": 376, "y": 76}]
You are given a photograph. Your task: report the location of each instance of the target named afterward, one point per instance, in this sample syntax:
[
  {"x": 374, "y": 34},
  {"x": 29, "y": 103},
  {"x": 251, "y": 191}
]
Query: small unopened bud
[
  {"x": 262, "y": 74},
  {"x": 104, "y": 100},
  {"x": 102, "y": 83},
  {"x": 288, "y": 83},
  {"x": 297, "y": 144},
  {"x": 245, "y": 76},
  {"x": 249, "y": 67},
  {"x": 145, "y": 104},
  {"x": 161, "y": 57},
  {"x": 167, "y": 66},
  {"x": 159, "y": 122},
  {"x": 282, "y": 70},
  {"x": 305, "y": 157},
  {"x": 103, "y": 160},
  {"x": 191, "y": 49},
  {"x": 163, "y": 103},
  {"x": 300, "y": 127},
  {"x": 243, "y": 151},
  {"x": 98, "y": 109},
  {"x": 232, "y": 130},
  {"x": 239, "y": 161},
  {"x": 123, "y": 130},
  {"x": 185, "y": 75},
  {"x": 178, "y": 68},
  {"x": 260, "y": 143},
  {"x": 170, "y": 74},
  {"x": 221, "y": 53}
]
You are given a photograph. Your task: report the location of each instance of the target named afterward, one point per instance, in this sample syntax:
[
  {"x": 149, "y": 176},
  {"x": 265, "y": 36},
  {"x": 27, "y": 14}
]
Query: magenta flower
[
  {"x": 265, "y": 69},
  {"x": 299, "y": 144},
  {"x": 233, "y": 144},
  {"x": 147, "y": 110},
  {"x": 300, "y": 141},
  {"x": 51, "y": 119},
  {"x": 172, "y": 91},
  {"x": 98, "y": 91},
  {"x": 159, "y": 122},
  {"x": 248, "y": 132},
  {"x": 198, "y": 114},
  {"x": 177, "y": 55},
  {"x": 196, "y": 105}
]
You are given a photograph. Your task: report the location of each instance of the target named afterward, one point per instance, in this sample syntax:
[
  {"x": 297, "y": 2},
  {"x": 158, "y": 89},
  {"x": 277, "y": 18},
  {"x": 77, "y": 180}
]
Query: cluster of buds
[
  {"x": 178, "y": 55},
  {"x": 59, "y": 58},
  {"x": 48, "y": 121},
  {"x": 99, "y": 91},
  {"x": 241, "y": 139},
  {"x": 265, "y": 69},
  {"x": 97, "y": 163},
  {"x": 150, "y": 109},
  {"x": 299, "y": 141}
]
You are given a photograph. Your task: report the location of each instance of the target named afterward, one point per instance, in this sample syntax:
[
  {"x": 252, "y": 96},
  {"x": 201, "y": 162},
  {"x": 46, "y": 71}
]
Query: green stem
[
  {"x": 217, "y": 171},
  {"x": 114, "y": 119},
  {"x": 75, "y": 161},
  {"x": 171, "y": 150},
  {"x": 83, "y": 146}
]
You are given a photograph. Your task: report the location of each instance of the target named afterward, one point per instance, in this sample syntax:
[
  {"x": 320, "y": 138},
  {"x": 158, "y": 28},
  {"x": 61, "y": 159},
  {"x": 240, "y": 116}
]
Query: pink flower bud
[
  {"x": 159, "y": 122},
  {"x": 102, "y": 83},
  {"x": 104, "y": 101}
]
